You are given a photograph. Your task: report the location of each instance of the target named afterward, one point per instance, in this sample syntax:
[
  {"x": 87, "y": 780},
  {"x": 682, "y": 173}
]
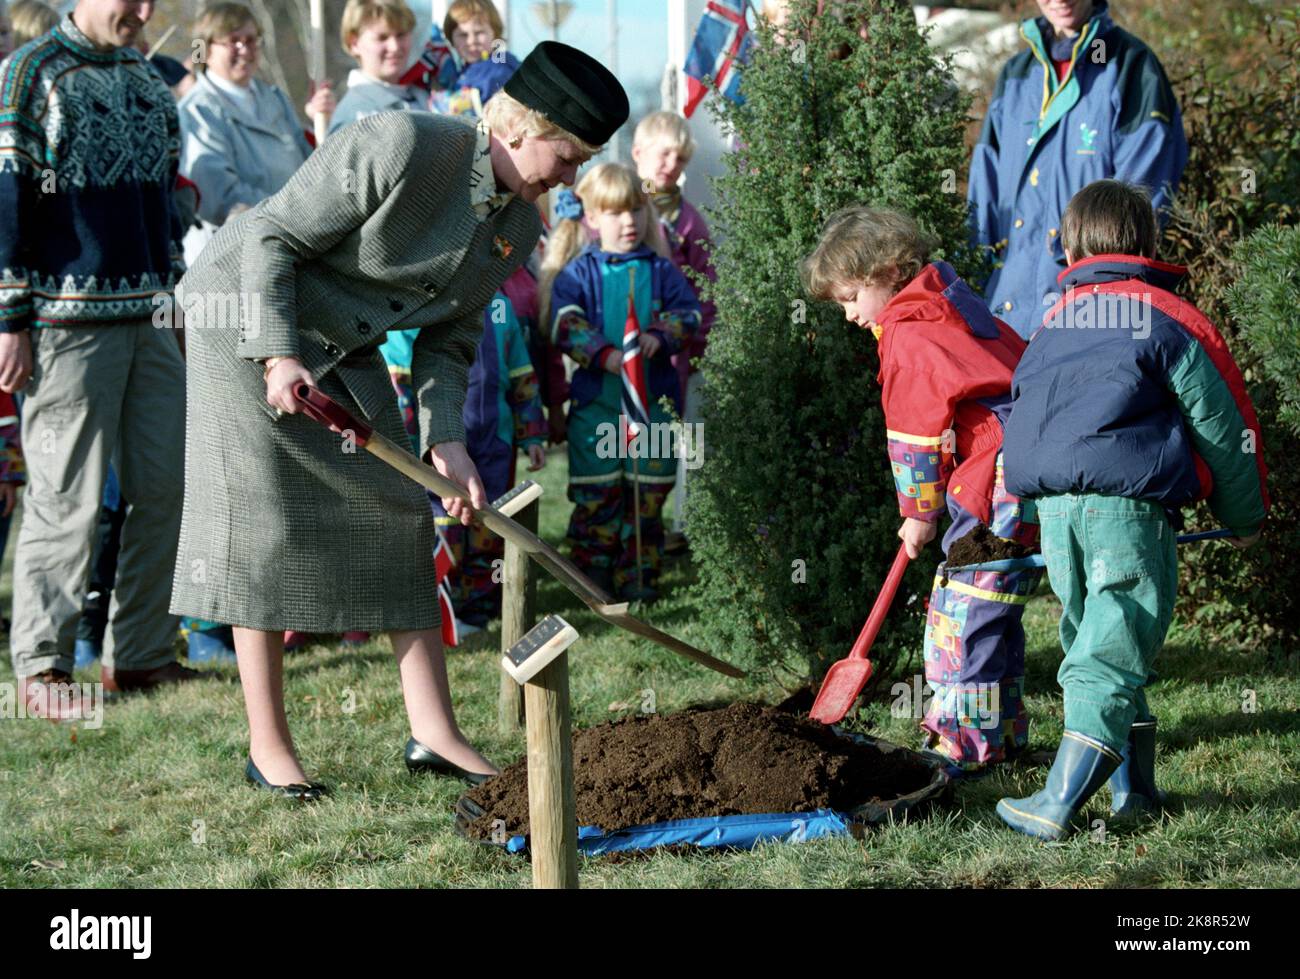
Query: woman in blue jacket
[
  {"x": 1086, "y": 101},
  {"x": 241, "y": 138}
]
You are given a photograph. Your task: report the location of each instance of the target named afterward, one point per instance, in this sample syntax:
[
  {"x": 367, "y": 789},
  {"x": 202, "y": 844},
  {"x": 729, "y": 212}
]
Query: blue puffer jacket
[
  {"x": 589, "y": 303},
  {"x": 1043, "y": 141},
  {"x": 1129, "y": 391}
]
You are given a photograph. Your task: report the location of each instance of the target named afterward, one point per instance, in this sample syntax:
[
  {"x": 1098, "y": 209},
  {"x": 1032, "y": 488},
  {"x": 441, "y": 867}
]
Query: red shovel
[{"x": 845, "y": 679}]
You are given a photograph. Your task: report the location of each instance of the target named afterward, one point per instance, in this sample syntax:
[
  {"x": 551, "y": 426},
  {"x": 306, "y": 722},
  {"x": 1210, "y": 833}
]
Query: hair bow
[{"x": 568, "y": 206}]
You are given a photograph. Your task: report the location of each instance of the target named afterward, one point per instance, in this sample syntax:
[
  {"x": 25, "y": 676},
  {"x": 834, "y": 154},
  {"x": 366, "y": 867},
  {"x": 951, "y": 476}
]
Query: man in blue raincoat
[{"x": 1087, "y": 100}]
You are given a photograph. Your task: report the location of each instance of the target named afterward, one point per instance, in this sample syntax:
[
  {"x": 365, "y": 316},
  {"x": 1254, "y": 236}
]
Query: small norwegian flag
[
  {"x": 636, "y": 399},
  {"x": 443, "y": 562},
  {"x": 428, "y": 70},
  {"x": 721, "y": 47}
]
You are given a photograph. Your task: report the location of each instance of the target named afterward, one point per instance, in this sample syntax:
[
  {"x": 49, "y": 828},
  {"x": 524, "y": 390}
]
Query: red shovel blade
[{"x": 840, "y": 688}]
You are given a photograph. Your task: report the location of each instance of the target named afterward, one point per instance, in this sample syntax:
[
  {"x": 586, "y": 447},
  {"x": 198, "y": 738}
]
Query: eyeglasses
[{"x": 246, "y": 44}]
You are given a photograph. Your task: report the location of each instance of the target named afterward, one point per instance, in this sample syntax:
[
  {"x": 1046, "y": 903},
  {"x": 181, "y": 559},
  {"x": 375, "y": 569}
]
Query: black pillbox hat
[{"x": 573, "y": 90}]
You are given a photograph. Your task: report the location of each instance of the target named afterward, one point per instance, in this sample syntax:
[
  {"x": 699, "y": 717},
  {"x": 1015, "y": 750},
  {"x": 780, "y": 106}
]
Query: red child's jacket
[{"x": 945, "y": 369}]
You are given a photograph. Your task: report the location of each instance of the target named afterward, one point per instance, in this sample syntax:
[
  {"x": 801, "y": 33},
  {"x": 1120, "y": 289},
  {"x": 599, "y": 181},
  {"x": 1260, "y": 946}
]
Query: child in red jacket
[{"x": 945, "y": 371}]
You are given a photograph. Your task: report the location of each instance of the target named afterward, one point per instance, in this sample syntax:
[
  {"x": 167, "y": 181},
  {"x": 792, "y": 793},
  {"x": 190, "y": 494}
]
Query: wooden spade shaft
[{"x": 320, "y": 407}]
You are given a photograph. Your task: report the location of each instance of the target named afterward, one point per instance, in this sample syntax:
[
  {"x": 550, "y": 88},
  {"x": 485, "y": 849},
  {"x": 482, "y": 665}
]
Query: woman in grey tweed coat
[{"x": 399, "y": 220}]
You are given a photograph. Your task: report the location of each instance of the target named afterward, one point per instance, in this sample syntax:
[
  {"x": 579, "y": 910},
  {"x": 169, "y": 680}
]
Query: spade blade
[{"x": 840, "y": 688}]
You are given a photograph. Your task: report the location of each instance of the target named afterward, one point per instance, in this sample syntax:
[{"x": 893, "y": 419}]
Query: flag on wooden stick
[
  {"x": 636, "y": 399},
  {"x": 636, "y": 406}
]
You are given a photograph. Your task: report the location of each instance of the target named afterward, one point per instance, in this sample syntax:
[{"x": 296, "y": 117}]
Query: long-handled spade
[
  {"x": 322, "y": 408},
  {"x": 845, "y": 679}
]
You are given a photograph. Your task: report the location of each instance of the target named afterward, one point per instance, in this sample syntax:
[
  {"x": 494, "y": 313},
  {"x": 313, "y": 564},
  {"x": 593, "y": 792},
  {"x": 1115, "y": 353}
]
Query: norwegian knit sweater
[{"x": 89, "y": 147}]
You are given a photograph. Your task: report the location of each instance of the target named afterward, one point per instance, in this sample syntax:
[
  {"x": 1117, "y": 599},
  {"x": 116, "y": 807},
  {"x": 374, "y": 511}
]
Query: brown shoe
[
  {"x": 127, "y": 681},
  {"x": 51, "y": 694}
]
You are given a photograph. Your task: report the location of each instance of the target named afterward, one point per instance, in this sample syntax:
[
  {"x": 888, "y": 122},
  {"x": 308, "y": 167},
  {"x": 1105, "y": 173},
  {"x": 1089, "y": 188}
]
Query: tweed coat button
[
  {"x": 331, "y": 349},
  {"x": 395, "y": 306},
  {"x": 363, "y": 327}
]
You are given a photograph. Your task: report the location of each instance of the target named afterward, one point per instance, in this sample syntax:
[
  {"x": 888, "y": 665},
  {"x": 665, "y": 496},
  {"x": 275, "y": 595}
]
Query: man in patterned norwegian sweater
[{"x": 89, "y": 249}]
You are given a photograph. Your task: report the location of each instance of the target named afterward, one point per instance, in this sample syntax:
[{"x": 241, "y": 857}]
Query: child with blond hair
[
  {"x": 662, "y": 148},
  {"x": 588, "y": 289},
  {"x": 377, "y": 33}
]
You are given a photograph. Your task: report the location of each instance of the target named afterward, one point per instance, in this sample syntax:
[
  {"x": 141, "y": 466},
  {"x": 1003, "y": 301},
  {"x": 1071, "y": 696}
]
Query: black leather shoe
[
  {"x": 422, "y": 759},
  {"x": 301, "y": 791}
]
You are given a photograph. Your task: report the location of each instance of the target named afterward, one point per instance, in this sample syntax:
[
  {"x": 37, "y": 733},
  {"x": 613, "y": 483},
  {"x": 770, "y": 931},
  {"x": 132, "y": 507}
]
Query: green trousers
[{"x": 1113, "y": 564}]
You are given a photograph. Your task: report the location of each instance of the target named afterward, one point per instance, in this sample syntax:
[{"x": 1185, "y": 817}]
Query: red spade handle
[
  {"x": 320, "y": 407},
  {"x": 878, "y": 611}
]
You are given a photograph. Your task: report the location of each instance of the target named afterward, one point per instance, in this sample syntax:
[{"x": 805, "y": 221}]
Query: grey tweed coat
[{"x": 284, "y": 528}]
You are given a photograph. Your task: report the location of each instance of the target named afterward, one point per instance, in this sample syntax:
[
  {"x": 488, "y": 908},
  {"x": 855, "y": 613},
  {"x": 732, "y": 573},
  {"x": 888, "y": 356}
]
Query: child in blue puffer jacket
[
  {"x": 1127, "y": 408},
  {"x": 585, "y": 291}
]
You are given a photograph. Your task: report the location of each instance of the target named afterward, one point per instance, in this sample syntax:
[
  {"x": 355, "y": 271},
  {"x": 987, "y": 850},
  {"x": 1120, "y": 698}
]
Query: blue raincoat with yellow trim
[{"x": 1044, "y": 139}]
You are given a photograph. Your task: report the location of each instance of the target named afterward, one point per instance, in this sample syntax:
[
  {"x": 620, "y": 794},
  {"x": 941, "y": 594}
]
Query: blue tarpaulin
[{"x": 741, "y": 832}]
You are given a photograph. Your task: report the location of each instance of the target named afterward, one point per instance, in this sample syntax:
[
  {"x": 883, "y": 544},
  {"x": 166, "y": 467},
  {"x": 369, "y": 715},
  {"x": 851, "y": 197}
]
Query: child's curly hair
[{"x": 866, "y": 245}]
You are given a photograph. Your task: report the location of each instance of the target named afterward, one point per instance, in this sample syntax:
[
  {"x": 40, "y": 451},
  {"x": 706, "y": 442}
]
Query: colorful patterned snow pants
[
  {"x": 975, "y": 644},
  {"x": 602, "y": 530}
]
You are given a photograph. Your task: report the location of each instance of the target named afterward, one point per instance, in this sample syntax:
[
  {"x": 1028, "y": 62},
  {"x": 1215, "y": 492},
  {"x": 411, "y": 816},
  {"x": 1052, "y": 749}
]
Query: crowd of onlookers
[
  {"x": 92, "y": 567},
  {"x": 151, "y": 158}
]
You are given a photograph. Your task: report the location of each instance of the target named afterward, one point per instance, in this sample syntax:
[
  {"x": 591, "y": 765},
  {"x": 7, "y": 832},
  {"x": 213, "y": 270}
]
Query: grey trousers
[{"x": 99, "y": 393}]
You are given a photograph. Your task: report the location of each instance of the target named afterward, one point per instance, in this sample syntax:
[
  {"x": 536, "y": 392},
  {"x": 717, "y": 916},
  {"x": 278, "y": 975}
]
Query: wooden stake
[
  {"x": 552, "y": 812},
  {"x": 518, "y": 600}
]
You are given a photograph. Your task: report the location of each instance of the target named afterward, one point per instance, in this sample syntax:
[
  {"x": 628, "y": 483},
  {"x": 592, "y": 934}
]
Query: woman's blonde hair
[
  {"x": 667, "y": 127},
  {"x": 465, "y": 10},
  {"x": 866, "y": 246},
  {"x": 509, "y": 118},
  {"x": 607, "y": 187},
  {"x": 29, "y": 19},
  {"x": 359, "y": 14},
  {"x": 218, "y": 20}
]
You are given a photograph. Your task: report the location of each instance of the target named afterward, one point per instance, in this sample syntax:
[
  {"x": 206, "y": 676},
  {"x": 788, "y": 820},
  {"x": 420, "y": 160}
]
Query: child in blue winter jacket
[
  {"x": 1127, "y": 407},
  {"x": 585, "y": 294}
]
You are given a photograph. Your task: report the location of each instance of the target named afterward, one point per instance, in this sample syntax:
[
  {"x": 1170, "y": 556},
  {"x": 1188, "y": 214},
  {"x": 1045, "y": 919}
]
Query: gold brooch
[{"x": 502, "y": 248}]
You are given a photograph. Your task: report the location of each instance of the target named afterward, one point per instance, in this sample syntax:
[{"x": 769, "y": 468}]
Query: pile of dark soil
[
  {"x": 744, "y": 758},
  {"x": 981, "y": 545}
]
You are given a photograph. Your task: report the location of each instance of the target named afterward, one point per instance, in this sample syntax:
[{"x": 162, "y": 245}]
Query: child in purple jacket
[{"x": 662, "y": 148}]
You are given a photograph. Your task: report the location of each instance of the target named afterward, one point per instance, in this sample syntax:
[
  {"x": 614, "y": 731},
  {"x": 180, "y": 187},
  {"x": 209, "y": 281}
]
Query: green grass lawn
[{"x": 156, "y": 798}]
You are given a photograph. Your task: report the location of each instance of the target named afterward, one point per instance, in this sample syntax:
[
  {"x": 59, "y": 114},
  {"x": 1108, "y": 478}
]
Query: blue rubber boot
[
  {"x": 86, "y": 652},
  {"x": 217, "y": 646},
  {"x": 1133, "y": 786},
  {"x": 1081, "y": 768}
]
